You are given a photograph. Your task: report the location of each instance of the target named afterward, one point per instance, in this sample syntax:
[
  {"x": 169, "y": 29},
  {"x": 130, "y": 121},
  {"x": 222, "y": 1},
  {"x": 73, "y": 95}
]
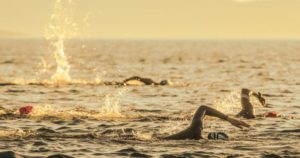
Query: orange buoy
[{"x": 271, "y": 114}]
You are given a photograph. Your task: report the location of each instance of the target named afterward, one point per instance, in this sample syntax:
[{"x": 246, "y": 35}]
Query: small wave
[
  {"x": 8, "y": 61},
  {"x": 94, "y": 82},
  {"x": 7, "y": 154},
  {"x": 11, "y": 154},
  {"x": 132, "y": 153},
  {"x": 15, "y": 91},
  {"x": 293, "y": 130},
  {"x": 15, "y": 133},
  {"x": 57, "y": 116},
  {"x": 273, "y": 95},
  {"x": 49, "y": 112},
  {"x": 46, "y": 132},
  {"x": 59, "y": 156},
  {"x": 54, "y": 83},
  {"x": 21, "y": 81}
]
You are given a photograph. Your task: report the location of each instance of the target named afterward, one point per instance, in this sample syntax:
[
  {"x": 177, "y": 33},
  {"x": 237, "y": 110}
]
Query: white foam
[{"x": 112, "y": 104}]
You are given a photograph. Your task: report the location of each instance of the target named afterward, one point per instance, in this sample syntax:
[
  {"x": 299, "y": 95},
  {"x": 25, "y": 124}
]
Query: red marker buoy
[
  {"x": 271, "y": 114},
  {"x": 25, "y": 109}
]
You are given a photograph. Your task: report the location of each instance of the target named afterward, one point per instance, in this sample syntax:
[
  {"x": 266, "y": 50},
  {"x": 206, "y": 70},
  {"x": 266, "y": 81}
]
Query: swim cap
[
  {"x": 218, "y": 136},
  {"x": 164, "y": 82},
  {"x": 25, "y": 109},
  {"x": 271, "y": 114}
]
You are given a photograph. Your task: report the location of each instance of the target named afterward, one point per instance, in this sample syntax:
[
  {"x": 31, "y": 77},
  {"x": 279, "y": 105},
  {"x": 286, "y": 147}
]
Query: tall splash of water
[
  {"x": 63, "y": 67},
  {"x": 61, "y": 27}
]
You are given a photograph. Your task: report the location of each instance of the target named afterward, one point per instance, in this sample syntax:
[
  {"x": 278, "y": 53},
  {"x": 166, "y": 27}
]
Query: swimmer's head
[
  {"x": 218, "y": 136},
  {"x": 245, "y": 91},
  {"x": 164, "y": 82}
]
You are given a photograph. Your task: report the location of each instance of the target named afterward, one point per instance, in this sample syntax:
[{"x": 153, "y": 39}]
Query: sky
[{"x": 158, "y": 19}]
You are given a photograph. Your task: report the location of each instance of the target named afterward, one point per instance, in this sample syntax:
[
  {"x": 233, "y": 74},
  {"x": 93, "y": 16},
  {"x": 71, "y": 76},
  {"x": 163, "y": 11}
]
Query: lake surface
[{"x": 86, "y": 118}]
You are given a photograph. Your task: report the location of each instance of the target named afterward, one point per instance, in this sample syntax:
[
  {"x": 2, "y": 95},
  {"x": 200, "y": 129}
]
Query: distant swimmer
[
  {"x": 247, "y": 107},
  {"x": 194, "y": 131},
  {"x": 16, "y": 113},
  {"x": 136, "y": 80}
]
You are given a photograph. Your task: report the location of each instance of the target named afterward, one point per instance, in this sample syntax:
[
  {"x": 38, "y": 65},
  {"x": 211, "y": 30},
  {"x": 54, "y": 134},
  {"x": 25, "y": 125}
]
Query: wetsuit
[
  {"x": 146, "y": 81},
  {"x": 194, "y": 131},
  {"x": 247, "y": 107}
]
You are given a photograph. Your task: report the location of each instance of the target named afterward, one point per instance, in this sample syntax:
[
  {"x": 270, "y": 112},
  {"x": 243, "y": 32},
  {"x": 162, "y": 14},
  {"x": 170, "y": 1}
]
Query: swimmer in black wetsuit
[
  {"x": 196, "y": 127},
  {"x": 194, "y": 131},
  {"x": 247, "y": 108},
  {"x": 136, "y": 80},
  {"x": 146, "y": 81}
]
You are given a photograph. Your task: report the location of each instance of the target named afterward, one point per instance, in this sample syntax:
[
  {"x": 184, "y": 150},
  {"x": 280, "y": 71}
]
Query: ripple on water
[
  {"x": 132, "y": 152},
  {"x": 7, "y": 154}
]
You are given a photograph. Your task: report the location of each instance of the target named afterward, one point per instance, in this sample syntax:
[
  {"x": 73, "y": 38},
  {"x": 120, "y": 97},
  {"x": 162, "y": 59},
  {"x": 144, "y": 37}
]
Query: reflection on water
[{"x": 86, "y": 118}]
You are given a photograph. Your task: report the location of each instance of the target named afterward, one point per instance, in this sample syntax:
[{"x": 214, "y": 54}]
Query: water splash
[
  {"x": 61, "y": 27},
  {"x": 63, "y": 67},
  {"x": 54, "y": 112},
  {"x": 110, "y": 110},
  {"x": 45, "y": 110},
  {"x": 112, "y": 104},
  {"x": 231, "y": 103}
]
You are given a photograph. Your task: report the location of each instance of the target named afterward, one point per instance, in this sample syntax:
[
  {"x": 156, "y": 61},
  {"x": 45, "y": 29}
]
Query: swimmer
[
  {"x": 194, "y": 131},
  {"x": 247, "y": 108},
  {"x": 145, "y": 81}
]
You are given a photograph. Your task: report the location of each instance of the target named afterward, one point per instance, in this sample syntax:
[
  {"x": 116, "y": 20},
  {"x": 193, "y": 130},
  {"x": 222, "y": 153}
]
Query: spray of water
[
  {"x": 63, "y": 68},
  {"x": 229, "y": 103},
  {"x": 111, "y": 109},
  {"x": 61, "y": 27},
  {"x": 112, "y": 104}
]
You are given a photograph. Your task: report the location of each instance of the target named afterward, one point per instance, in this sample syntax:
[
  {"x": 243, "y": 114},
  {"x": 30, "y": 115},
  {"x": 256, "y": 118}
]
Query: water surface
[{"x": 71, "y": 118}]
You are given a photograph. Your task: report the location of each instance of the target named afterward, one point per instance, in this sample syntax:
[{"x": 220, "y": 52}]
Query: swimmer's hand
[
  {"x": 260, "y": 98},
  {"x": 238, "y": 123}
]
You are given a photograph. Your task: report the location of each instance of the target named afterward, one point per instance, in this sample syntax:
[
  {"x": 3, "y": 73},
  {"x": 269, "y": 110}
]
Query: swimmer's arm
[
  {"x": 132, "y": 78},
  {"x": 237, "y": 123},
  {"x": 148, "y": 81},
  {"x": 215, "y": 113},
  {"x": 212, "y": 112}
]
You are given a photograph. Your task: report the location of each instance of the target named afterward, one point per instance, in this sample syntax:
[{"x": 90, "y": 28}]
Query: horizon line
[{"x": 162, "y": 38}]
